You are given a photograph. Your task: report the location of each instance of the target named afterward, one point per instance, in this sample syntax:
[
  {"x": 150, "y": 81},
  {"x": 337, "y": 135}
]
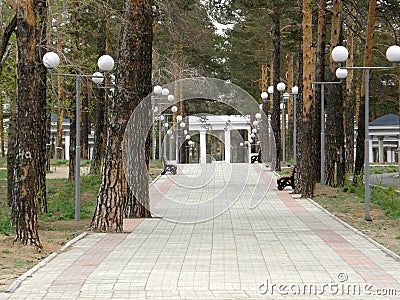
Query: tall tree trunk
[
  {"x": 72, "y": 134},
  {"x": 42, "y": 128},
  {"x": 350, "y": 103},
  {"x": 306, "y": 158},
  {"x": 319, "y": 77},
  {"x": 290, "y": 77},
  {"x": 24, "y": 202},
  {"x": 73, "y": 116},
  {"x": 133, "y": 81},
  {"x": 100, "y": 101},
  {"x": 335, "y": 160},
  {"x": 85, "y": 121},
  {"x": 360, "y": 153},
  {"x": 61, "y": 101},
  {"x": 275, "y": 115}
]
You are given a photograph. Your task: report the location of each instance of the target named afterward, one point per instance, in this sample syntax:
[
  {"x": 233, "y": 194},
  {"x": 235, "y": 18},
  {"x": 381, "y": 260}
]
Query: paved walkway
[
  {"x": 387, "y": 180},
  {"x": 223, "y": 232}
]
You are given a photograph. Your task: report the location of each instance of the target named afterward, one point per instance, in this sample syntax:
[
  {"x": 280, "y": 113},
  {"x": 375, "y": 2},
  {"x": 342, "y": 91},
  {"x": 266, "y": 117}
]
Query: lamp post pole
[
  {"x": 281, "y": 87},
  {"x": 51, "y": 60},
  {"x": 153, "y": 131},
  {"x": 295, "y": 92},
  {"x": 78, "y": 151},
  {"x": 340, "y": 55},
  {"x": 283, "y": 132},
  {"x": 264, "y": 108}
]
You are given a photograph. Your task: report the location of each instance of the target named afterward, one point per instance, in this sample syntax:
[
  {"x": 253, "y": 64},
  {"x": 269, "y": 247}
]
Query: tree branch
[{"x": 6, "y": 38}]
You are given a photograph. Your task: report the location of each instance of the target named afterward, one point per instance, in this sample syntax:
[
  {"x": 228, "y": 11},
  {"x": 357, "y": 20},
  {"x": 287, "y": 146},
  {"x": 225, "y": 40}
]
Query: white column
[
  {"x": 389, "y": 155},
  {"x": 203, "y": 147},
  {"x": 380, "y": 147},
  {"x": 66, "y": 145},
  {"x": 227, "y": 146},
  {"x": 371, "y": 151},
  {"x": 249, "y": 149}
]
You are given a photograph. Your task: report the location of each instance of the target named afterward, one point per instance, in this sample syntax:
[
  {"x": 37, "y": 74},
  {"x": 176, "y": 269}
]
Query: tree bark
[
  {"x": 24, "y": 202},
  {"x": 360, "y": 153},
  {"x": 275, "y": 115},
  {"x": 350, "y": 104},
  {"x": 319, "y": 77},
  {"x": 43, "y": 127},
  {"x": 290, "y": 77},
  {"x": 306, "y": 159},
  {"x": 72, "y": 99},
  {"x": 335, "y": 160},
  {"x": 133, "y": 81},
  {"x": 85, "y": 120},
  {"x": 100, "y": 101}
]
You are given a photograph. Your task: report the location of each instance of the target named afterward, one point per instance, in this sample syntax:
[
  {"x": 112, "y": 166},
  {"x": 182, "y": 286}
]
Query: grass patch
[
  {"x": 64, "y": 162},
  {"x": 3, "y": 174},
  {"x": 384, "y": 169},
  {"x": 385, "y": 197},
  {"x": 60, "y": 201},
  {"x": 19, "y": 263},
  {"x": 3, "y": 162},
  {"x": 58, "y": 162},
  {"x": 61, "y": 198}
]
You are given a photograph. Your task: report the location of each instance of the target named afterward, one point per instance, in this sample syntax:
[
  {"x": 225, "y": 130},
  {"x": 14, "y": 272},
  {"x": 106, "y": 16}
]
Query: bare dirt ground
[{"x": 16, "y": 259}]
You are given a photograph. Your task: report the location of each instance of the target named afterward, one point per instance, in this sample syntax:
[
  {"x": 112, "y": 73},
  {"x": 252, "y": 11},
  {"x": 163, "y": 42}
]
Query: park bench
[
  {"x": 254, "y": 158},
  {"x": 168, "y": 167},
  {"x": 287, "y": 180}
]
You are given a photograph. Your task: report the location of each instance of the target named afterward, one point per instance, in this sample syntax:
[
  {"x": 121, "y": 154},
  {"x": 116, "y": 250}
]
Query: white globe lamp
[
  {"x": 105, "y": 63},
  {"x": 51, "y": 60}
]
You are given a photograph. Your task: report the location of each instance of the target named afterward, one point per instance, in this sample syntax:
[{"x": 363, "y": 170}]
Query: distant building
[
  {"x": 66, "y": 138},
  {"x": 385, "y": 139}
]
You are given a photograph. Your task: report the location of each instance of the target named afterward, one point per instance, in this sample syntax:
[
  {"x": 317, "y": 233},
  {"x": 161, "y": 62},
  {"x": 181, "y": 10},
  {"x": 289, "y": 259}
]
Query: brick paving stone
[{"x": 222, "y": 232}]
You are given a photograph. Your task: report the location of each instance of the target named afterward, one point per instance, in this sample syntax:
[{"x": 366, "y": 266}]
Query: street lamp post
[
  {"x": 158, "y": 92},
  {"x": 295, "y": 92},
  {"x": 340, "y": 55},
  {"x": 285, "y": 97},
  {"x": 341, "y": 74},
  {"x": 281, "y": 87},
  {"x": 264, "y": 97},
  {"x": 51, "y": 60}
]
